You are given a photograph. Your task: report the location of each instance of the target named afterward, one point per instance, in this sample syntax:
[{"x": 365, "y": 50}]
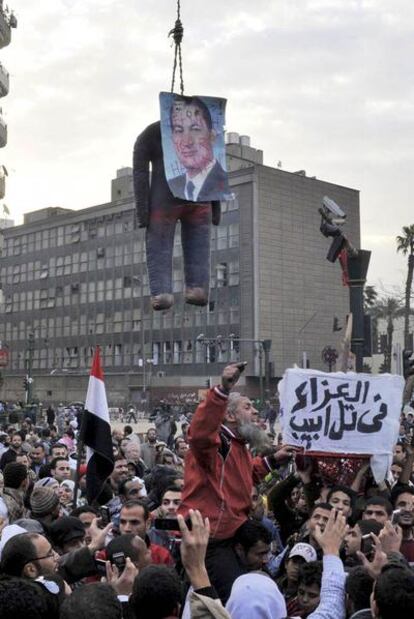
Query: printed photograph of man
[{"x": 194, "y": 147}]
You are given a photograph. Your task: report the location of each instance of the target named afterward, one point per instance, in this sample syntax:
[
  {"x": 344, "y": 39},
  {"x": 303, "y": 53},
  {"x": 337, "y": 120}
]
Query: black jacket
[{"x": 153, "y": 190}]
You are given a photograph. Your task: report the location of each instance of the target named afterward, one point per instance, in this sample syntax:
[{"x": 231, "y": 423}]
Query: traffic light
[
  {"x": 336, "y": 326},
  {"x": 208, "y": 383},
  {"x": 408, "y": 363},
  {"x": 25, "y": 383}
]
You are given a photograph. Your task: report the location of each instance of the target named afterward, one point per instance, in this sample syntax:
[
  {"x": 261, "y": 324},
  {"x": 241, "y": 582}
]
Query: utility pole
[
  {"x": 357, "y": 268},
  {"x": 29, "y": 366},
  {"x": 267, "y": 344}
]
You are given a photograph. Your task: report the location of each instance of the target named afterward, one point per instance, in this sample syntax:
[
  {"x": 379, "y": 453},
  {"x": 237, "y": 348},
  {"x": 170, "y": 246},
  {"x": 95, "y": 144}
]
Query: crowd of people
[{"x": 212, "y": 517}]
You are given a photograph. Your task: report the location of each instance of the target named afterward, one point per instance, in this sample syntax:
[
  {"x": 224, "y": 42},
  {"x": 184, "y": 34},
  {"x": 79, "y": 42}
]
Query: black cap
[{"x": 66, "y": 529}]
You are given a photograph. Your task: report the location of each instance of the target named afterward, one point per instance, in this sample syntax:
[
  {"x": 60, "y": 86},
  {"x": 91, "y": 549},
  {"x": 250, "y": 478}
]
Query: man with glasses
[{"x": 28, "y": 555}]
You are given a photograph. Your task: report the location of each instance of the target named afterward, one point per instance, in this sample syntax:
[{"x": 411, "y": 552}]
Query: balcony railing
[{"x": 4, "y": 81}]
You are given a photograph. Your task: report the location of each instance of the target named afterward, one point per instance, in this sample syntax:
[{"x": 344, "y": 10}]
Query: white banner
[{"x": 342, "y": 413}]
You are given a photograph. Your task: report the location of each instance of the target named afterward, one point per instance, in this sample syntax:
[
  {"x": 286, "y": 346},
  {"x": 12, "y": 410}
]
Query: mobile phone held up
[
  {"x": 105, "y": 515},
  {"x": 100, "y": 565},
  {"x": 119, "y": 559}
]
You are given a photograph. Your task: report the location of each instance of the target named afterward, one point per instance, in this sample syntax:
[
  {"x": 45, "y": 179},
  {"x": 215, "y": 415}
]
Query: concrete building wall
[{"x": 296, "y": 280}]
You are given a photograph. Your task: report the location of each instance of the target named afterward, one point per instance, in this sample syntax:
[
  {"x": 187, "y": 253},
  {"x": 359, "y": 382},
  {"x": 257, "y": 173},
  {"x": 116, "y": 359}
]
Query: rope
[{"x": 177, "y": 33}]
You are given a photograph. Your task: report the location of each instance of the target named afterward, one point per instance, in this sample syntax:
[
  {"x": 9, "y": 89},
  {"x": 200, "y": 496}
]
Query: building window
[
  {"x": 167, "y": 320},
  {"x": 234, "y": 235},
  {"x": 222, "y": 237},
  {"x": 234, "y": 277},
  {"x": 117, "y": 322},
  {"x": 233, "y": 205},
  {"x": 91, "y": 292},
  {"x": 188, "y": 351},
  {"x": 118, "y": 355},
  {"x": 100, "y": 321},
  {"x": 92, "y": 229},
  {"x": 156, "y": 347},
  {"x": 234, "y": 315},
  {"x": 200, "y": 350},
  {"x": 166, "y": 352},
  {"x": 234, "y": 350},
  {"x": 177, "y": 350},
  {"x": 59, "y": 266},
  {"x": 67, "y": 265},
  {"x": 156, "y": 320},
  {"x": 222, "y": 275}
]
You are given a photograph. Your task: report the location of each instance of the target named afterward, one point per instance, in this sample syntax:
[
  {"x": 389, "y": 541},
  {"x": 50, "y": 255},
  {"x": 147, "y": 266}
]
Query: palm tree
[
  {"x": 405, "y": 245},
  {"x": 370, "y": 298},
  {"x": 388, "y": 308}
]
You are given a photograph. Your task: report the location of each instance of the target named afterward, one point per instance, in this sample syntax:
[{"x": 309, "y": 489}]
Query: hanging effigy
[{"x": 179, "y": 169}]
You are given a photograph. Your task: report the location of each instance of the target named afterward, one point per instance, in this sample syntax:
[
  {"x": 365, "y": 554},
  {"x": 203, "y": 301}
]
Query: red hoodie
[{"x": 219, "y": 470}]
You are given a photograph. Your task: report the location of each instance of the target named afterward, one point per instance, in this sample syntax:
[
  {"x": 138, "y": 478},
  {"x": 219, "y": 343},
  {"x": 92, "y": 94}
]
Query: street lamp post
[
  {"x": 357, "y": 268},
  {"x": 146, "y": 381},
  {"x": 29, "y": 366}
]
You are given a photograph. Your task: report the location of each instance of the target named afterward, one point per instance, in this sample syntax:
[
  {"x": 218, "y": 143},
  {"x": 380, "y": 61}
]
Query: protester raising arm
[
  {"x": 204, "y": 602},
  {"x": 207, "y": 420},
  {"x": 332, "y": 604},
  {"x": 356, "y": 484},
  {"x": 286, "y": 517}
]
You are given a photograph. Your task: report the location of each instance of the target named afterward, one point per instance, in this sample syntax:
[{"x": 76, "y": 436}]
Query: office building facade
[{"x": 77, "y": 279}]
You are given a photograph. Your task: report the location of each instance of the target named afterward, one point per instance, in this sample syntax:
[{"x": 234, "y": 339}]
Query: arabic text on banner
[{"x": 338, "y": 412}]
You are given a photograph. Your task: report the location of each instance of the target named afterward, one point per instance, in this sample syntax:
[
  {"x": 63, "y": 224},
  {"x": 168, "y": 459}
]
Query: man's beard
[{"x": 256, "y": 437}]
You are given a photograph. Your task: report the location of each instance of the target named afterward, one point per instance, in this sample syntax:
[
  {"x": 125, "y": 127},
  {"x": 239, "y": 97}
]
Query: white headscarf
[
  {"x": 69, "y": 483},
  {"x": 256, "y": 596},
  {"x": 8, "y": 532}
]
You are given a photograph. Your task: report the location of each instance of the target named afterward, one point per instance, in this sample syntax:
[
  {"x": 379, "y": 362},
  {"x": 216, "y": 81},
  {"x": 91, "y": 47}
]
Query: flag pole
[
  {"x": 79, "y": 450},
  {"x": 95, "y": 433}
]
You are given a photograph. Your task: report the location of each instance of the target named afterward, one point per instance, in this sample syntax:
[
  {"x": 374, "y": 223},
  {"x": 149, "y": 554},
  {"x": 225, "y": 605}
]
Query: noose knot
[{"x": 177, "y": 32}]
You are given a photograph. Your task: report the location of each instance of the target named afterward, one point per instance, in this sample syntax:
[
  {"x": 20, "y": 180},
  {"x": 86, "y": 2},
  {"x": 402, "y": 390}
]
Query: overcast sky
[{"x": 321, "y": 85}]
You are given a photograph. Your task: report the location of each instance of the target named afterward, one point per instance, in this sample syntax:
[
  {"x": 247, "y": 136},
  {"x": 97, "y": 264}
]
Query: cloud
[{"x": 324, "y": 85}]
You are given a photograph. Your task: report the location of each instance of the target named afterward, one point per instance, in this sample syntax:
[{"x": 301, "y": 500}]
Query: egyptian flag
[{"x": 96, "y": 432}]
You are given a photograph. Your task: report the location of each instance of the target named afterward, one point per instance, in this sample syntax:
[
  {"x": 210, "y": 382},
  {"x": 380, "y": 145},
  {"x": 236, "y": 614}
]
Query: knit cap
[
  {"x": 14, "y": 473},
  {"x": 43, "y": 501}
]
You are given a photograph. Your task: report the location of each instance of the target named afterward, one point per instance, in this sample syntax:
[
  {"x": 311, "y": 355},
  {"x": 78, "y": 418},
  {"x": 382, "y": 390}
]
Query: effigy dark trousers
[{"x": 195, "y": 240}]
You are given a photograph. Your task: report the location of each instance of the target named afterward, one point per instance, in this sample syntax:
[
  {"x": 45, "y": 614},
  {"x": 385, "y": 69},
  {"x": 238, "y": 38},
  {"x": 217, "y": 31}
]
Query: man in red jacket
[{"x": 220, "y": 472}]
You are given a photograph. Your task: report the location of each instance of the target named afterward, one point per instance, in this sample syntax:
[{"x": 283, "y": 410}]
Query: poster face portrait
[{"x": 192, "y": 133}]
